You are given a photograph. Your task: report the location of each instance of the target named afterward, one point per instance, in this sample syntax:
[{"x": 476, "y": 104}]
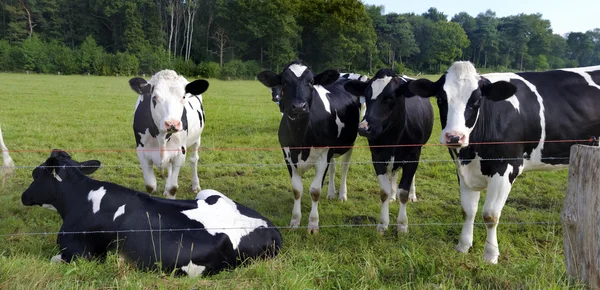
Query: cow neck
[
  {"x": 297, "y": 129},
  {"x": 72, "y": 190},
  {"x": 398, "y": 125}
]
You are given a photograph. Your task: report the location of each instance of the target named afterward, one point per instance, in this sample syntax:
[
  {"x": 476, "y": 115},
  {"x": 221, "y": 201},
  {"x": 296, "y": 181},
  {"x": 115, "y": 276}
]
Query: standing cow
[
  {"x": 521, "y": 110},
  {"x": 8, "y": 165},
  {"x": 320, "y": 122},
  {"x": 393, "y": 119},
  {"x": 168, "y": 119}
]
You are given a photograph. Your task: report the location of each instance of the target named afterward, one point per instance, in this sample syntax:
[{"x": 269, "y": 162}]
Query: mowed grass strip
[{"x": 92, "y": 118}]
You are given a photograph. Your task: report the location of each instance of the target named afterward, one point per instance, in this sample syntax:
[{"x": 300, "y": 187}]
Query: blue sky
[{"x": 565, "y": 16}]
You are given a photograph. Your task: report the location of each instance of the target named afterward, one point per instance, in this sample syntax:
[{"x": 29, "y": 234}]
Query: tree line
[{"x": 235, "y": 39}]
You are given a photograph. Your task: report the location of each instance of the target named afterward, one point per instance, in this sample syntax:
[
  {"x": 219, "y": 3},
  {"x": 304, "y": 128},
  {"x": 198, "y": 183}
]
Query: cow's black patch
[
  {"x": 143, "y": 121},
  {"x": 212, "y": 199},
  {"x": 183, "y": 149}
]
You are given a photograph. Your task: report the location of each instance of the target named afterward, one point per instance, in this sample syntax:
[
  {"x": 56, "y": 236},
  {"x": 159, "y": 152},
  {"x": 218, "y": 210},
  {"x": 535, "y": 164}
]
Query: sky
[{"x": 565, "y": 16}]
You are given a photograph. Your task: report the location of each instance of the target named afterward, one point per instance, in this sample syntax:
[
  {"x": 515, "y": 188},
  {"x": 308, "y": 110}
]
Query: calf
[
  {"x": 8, "y": 165},
  {"x": 202, "y": 236},
  {"x": 320, "y": 122},
  {"x": 393, "y": 119},
  {"x": 521, "y": 111},
  {"x": 168, "y": 119}
]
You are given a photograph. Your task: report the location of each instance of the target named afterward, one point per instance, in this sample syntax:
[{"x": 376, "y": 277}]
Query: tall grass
[{"x": 91, "y": 117}]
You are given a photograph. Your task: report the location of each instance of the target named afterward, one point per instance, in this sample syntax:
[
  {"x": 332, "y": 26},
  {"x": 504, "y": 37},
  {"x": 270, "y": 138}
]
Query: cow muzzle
[
  {"x": 364, "y": 129},
  {"x": 172, "y": 126},
  {"x": 455, "y": 139}
]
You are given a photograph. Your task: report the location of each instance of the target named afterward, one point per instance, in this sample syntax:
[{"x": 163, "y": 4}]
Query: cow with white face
[
  {"x": 319, "y": 123},
  {"x": 392, "y": 119},
  {"x": 517, "y": 113},
  {"x": 8, "y": 165},
  {"x": 168, "y": 119}
]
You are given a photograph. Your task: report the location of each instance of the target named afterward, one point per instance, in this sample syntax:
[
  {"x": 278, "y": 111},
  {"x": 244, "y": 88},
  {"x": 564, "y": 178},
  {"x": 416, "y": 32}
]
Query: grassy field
[{"x": 91, "y": 117}]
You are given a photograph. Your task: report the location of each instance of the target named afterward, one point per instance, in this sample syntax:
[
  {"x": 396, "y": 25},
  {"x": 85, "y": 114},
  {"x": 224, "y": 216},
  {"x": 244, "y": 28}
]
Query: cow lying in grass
[
  {"x": 202, "y": 236},
  {"x": 8, "y": 166}
]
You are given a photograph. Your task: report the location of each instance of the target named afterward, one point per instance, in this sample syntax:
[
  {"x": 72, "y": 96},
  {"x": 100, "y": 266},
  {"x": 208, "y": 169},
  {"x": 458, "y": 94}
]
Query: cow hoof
[
  {"x": 412, "y": 198},
  {"x": 492, "y": 259},
  {"x": 463, "y": 248},
  {"x": 294, "y": 224},
  {"x": 403, "y": 229},
  {"x": 343, "y": 198},
  {"x": 393, "y": 197},
  {"x": 196, "y": 189},
  {"x": 381, "y": 229},
  {"x": 169, "y": 196},
  {"x": 150, "y": 189},
  {"x": 313, "y": 230},
  {"x": 331, "y": 196},
  {"x": 56, "y": 259}
]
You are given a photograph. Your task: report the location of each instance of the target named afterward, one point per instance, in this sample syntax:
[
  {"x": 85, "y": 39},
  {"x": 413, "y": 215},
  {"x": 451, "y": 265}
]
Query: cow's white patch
[
  {"x": 322, "y": 92},
  {"x": 204, "y": 194},
  {"x": 224, "y": 217},
  {"x": 95, "y": 196},
  {"x": 193, "y": 270},
  {"x": 56, "y": 176},
  {"x": 339, "y": 124},
  {"x": 120, "y": 211},
  {"x": 56, "y": 259},
  {"x": 297, "y": 69},
  {"x": 583, "y": 72},
  {"x": 378, "y": 85},
  {"x": 48, "y": 206}
]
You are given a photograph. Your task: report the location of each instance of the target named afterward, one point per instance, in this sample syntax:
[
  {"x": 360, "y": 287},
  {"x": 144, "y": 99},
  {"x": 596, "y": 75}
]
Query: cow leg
[
  {"x": 331, "y": 185},
  {"x": 345, "y": 168},
  {"x": 297, "y": 188},
  {"x": 393, "y": 182},
  {"x": 194, "y": 160},
  {"x": 412, "y": 193},
  {"x": 385, "y": 190},
  {"x": 497, "y": 193},
  {"x": 469, "y": 199},
  {"x": 174, "y": 167},
  {"x": 408, "y": 174},
  {"x": 148, "y": 172},
  {"x": 315, "y": 193}
]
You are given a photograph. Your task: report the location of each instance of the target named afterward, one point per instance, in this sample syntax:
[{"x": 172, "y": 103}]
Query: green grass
[{"x": 91, "y": 117}]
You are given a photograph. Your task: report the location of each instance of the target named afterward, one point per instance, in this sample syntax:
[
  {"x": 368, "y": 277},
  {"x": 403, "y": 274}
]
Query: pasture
[{"x": 91, "y": 118}]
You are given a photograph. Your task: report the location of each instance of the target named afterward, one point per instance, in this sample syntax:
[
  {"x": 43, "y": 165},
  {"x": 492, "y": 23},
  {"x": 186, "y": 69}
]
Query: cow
[
  {"x": 392, "y": 119},
  {"x": 8, "y": 165},
  {"x": 319, "y": 123},
  {"x": 168, "y": 119},
  {"x": 519, "y": 114},
  {"x": 193, "y": 237}
]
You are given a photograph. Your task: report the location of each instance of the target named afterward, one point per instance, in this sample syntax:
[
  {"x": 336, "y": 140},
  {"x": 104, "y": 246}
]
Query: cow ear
[
  {"x": 327, "y": 77},
  {"x": 498, "y": 91},
  {"x": 89, "y": 167},
  {"x": 356, "y": 88},
  {"x": 51, "y": 164},
  {"x": 196, "y": 87},
  {"x": 404, "y": 90},
  {"x": 139, "y": 85},
  {"x": 423, "y": 87},
  {"x": 269, "y": 78}
]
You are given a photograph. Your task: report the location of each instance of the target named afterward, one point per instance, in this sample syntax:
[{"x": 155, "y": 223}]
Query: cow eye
[{"x": 312, "y": 82}]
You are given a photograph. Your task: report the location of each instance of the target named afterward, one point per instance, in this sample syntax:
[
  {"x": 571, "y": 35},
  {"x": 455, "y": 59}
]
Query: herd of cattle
[{"x": 495, "y": 127}]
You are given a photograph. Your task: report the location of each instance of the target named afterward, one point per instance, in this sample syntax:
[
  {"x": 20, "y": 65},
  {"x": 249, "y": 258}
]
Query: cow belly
[
  {"x": 313, "y": 157},
  {"x": 536, "y": 165}
]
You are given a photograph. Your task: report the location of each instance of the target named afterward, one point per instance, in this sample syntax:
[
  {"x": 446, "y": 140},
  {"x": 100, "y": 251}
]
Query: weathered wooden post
[{"x": 581, "y": 215}]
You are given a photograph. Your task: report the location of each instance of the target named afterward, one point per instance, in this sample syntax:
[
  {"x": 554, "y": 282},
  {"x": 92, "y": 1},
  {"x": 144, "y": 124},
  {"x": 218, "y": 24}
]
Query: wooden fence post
[{"x": 581, "y": 215}]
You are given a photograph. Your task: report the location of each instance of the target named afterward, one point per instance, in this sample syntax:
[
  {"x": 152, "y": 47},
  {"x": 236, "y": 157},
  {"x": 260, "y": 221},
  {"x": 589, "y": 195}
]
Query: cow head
[
  {"x": 297, "y": 83},
  {"x": 45, "y": 189},
  {"x": 384, "y": 95},
  {"x": 459, "y": 93},
  {"x": 167, "y": 91}
]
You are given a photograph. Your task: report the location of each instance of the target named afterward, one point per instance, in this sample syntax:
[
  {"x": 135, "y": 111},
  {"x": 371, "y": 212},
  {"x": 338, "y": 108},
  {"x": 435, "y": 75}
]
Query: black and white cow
[
  {"x": 392, "y": 119},
  {"x": 534, "y": 107},
  {"x": 168, "y": 119},
  {"x": 8, "y": 165},
  {"x": 202, "y": 236},
  {"x": 318, "y": 114}
]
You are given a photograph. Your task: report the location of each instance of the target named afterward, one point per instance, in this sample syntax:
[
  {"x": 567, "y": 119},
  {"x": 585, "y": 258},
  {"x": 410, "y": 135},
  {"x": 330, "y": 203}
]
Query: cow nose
[
  {"x": 173, "y": 125},
  {"x": 454, "y": 138},
  {"x": 363, "y": 129},
  {"x": 299, "y": 107},
  {"x": 276, "y": 98}
]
